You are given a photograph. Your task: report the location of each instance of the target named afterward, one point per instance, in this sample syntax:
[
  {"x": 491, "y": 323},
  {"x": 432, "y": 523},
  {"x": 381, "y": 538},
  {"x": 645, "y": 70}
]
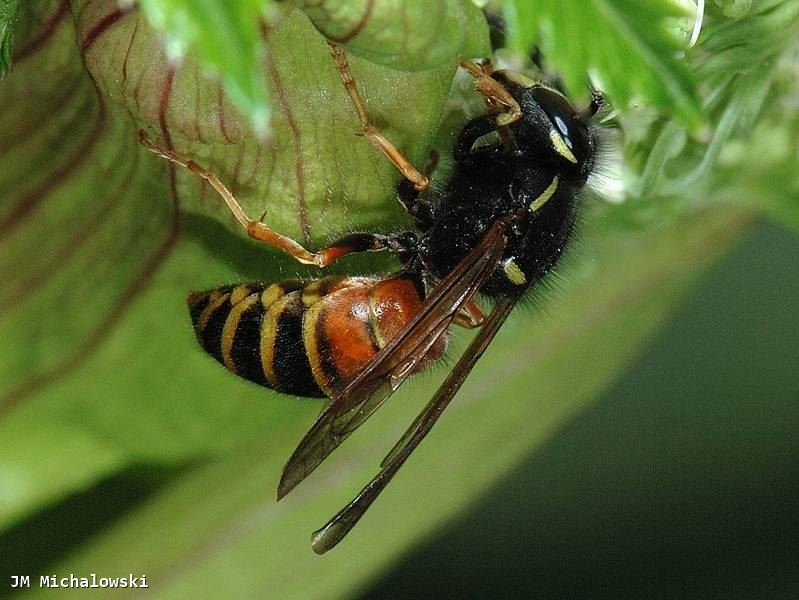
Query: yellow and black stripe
[
  {"x": 303, "y": 338},
  {"x": 254, "y": 330}
]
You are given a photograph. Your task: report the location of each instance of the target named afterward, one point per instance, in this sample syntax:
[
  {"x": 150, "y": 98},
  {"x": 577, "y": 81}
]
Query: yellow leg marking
[
  {"x": 202, "y": 322},
  {"x": 545, "y": 195},
  {"x": 231, "y": 325},
  {"x": 377, "y": 139}
]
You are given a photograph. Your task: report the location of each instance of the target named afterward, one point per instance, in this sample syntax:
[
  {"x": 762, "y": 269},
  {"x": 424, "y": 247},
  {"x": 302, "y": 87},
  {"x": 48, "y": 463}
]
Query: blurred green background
[{"x": 681, "y": 481}]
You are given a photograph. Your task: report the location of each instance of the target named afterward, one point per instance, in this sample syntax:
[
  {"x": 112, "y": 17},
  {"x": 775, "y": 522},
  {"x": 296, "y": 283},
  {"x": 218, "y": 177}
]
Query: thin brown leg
[
  {"x": 377, "y": 139},
  {"x": 494, "y": 92},
  {"x": 495, "y": 108},
  {"x": 259, "y": 231},
  {"x": 471, "y": 316}
]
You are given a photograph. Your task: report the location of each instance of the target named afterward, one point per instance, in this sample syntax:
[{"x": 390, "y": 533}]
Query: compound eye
[{"x": 568, "y": 134}]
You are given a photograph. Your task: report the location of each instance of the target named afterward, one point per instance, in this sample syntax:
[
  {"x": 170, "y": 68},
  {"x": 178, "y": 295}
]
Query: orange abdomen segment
[
  {"x": 308, "y": 338},
  {"x": 348, "y": 327},
  {"x": 392, "y": 303}
]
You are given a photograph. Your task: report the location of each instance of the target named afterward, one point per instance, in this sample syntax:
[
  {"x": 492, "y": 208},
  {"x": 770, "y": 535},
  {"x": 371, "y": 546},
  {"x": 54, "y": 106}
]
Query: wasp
[{"x": 496, "y": 228}]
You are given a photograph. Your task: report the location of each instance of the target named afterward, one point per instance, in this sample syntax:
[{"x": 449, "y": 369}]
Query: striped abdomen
[{"x": 307, "y": 338}]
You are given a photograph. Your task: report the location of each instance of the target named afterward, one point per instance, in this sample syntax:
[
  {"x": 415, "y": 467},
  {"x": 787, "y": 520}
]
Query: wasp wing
[
  {"x": 334, "y": 531},
  {"x": 396, "y": 361},
  {"x": 455, "y": 379}
]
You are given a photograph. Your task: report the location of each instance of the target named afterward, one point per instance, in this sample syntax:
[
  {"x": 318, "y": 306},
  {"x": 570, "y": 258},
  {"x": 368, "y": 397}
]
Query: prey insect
[{"x": 496, "y": 228}]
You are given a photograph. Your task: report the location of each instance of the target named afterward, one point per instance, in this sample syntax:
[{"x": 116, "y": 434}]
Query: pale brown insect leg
[
  {"x": 493, "y": 91},
  {"x": 257, "y": 229},
  {"x": 471, "y": 316},
  {"x": 375, "y": 137}
]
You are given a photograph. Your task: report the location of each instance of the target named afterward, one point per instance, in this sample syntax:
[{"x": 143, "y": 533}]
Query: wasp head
[{"x": 551, "y": 129}]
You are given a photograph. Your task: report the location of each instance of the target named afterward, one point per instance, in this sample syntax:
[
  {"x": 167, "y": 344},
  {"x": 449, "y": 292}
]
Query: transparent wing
[
  {"x": 334, "y": 531},
  {"x": 396, "y": 361}
]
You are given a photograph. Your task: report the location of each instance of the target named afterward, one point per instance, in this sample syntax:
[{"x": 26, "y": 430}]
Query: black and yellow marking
[
  {"x": 312, "y": 342},
  {"x": 223, "y": 320},
  {"x": 255, "y": 331},
  {"x": 202, "y": 304},
  {"x": 273, "y": 304},
  {"x": 560, "y": 146},
  {"x": 324, "y": 367},
  {"x": 544, "y": 197},
  {"x": 513, "y": 272},
  {"x": 302, "y": 338},
  {"x": 291, "y": 366},
  {"x": 272, "y": 294},
  {"x": 316, "y": 290},
  {"x": 284, "y": 360},
  {"x": 241, "y": 331},
  {"x": 210, "y": 324},
  {"x": 240, "y": 292}
]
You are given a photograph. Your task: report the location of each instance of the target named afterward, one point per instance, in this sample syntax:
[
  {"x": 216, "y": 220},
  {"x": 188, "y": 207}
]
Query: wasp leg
[
  {"x": 377, "y": 139},
  {"x": 471, "y": 316},
  {"x": 420, "y": 208},
  {"x": 493, "y": 91},
  {"x": 486, "y": 69},
  {"x": 597, "y": 102},
  {"x": 357, "y": 242},
  {"x": 471, "y": 132},
  {"x": 367, "y": 242},
  {"x": 495, "y": 108}
]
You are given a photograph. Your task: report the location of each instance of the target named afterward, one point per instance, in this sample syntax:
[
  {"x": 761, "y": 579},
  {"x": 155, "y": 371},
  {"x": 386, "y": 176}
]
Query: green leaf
[
  {"x": 743, "y": 65},
  {"x": 8, "y": 16},
  {"x": 410, "y": 35},
  {"x": 628, "y": 48},
  {"x": 770, "y": 154},
  {"x": 226, "y": 36}
]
